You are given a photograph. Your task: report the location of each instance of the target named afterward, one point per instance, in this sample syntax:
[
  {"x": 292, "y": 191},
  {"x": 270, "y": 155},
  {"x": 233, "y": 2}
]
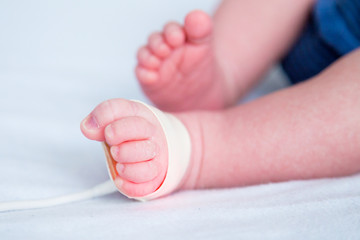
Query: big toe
[{"x": 198, "y": 26}]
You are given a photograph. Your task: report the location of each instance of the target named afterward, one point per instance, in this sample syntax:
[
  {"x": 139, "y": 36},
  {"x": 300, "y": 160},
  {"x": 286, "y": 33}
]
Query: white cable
[{"x": 97, "y": 191}]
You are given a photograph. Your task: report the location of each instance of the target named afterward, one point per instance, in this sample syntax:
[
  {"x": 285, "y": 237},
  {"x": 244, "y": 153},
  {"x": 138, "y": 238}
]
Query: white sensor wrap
[{"x": 179, "y": 150}]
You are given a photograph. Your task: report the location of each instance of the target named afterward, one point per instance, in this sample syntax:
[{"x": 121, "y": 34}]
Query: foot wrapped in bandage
[{"x": 178, "y": 146}]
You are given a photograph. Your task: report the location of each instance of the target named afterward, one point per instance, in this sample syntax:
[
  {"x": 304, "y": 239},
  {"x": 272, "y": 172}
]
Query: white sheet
[{"x": 57, "y": 61}]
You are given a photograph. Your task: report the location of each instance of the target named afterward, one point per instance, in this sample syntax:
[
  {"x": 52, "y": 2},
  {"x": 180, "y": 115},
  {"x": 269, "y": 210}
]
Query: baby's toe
[
  {"x": 147, "y": 59},
  {"x": 146, "y": 76},
  {"x": 128, "y": 129},
  {"x": 106, "y": 113},
  {"x": 137, "y": 189},
  {"x": 198, "y": 26},
  {"x": 139, "y": 172},
  {"x": 158, "y": 46},
  {"x": 174, "y": 34},
  {"x": 134, "y": 151}
]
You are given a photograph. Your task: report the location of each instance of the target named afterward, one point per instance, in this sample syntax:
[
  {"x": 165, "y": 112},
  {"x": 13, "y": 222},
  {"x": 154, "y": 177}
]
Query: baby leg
[{"x": 310, "y": 130}]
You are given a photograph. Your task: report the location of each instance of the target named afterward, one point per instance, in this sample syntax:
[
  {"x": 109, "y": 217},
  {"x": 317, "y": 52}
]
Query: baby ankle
[{"x": 193, "y": 125}]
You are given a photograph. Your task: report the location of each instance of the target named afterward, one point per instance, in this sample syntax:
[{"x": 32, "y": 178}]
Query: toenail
[
  {"x": 114, "y": 151},
  {"x": 109, "y": 132},
  {"x": 90, "y": 123},
  {"x": 119, "y": 167},
  {"x": 175, "y": 32}
]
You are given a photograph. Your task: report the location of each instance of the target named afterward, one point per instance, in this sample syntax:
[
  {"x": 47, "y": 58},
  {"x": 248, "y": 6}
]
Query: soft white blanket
[{"x": 57, "y": 61}]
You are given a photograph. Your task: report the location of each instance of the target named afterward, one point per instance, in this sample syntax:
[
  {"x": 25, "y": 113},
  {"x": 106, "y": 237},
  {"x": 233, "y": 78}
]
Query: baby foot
[
  {"x": 137, "y": 144},
  {"x": 178, "y": 70}
]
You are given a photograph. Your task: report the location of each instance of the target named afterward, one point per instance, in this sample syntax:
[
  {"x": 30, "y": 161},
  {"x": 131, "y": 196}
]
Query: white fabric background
[{"x": 58, "y": 60}]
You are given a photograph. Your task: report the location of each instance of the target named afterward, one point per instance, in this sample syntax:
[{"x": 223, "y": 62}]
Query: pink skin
[
  {"x": 310, "y": 130},
  {"x": 177, "y": 69},
  {"x": 135, "y": 137},
  {"x": 210, "y": 63}
]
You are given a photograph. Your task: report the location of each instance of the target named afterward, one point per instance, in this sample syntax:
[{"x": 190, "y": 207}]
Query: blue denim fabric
[{"x": 332, "y": 31}]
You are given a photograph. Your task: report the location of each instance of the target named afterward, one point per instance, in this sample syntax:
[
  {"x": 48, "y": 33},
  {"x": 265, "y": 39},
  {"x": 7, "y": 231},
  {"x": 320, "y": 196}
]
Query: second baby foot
[
  {"x": 137, "y": 144},
  {"x": 178, "y": 70}
]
